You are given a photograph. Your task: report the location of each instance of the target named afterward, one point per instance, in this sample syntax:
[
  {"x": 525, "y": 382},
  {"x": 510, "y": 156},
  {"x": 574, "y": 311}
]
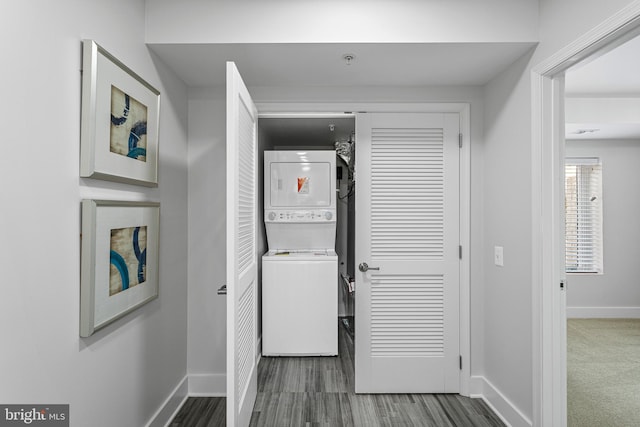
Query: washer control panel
[{"x": 321, "y": 215}]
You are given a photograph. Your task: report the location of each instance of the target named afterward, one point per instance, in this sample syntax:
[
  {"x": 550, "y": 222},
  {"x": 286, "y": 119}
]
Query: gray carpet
[{"x": 603, "y": 372}]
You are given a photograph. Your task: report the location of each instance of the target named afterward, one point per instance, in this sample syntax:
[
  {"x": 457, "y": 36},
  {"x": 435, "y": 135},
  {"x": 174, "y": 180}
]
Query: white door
[
  {"x": 407, "y": 232},
  {"x": 242, "y": 262}
]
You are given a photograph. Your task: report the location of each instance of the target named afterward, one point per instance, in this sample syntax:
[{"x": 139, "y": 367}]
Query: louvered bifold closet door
[
  {"x": 241, "y": 254},
  {"x": 246, "y": 261},
  {"x": 407, "y": 225}
]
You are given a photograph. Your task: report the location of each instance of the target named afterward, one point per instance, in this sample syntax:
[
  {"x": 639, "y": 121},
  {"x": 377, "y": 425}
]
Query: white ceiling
[
  {"x": 304, "y": 64},
  {"x": 615, "y": 74},
  {"x": 375, "y": 64}
]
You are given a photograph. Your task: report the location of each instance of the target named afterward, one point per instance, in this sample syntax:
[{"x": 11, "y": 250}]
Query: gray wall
[
  {"x": 121, "y": 375},
  {"x": 507, "y": 223},
  {"x": 358, "y": 21},
  {"x": 617, "y": 290},
  {"x": 207, "y": 233}
]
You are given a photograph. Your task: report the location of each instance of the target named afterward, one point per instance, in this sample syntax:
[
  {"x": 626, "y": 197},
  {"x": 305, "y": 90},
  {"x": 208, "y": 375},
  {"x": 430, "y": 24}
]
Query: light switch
[{"x": 498, "y": 256}]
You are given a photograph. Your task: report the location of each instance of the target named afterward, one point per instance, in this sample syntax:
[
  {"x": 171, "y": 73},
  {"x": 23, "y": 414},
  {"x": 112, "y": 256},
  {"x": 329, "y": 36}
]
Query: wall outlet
[{"x": 498, "y": 256}]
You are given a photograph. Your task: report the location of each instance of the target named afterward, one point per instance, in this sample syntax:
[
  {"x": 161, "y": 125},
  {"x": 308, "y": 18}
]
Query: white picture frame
[
  {"x": 119, "y": 260},
  {"x": 120, "y": 121}
]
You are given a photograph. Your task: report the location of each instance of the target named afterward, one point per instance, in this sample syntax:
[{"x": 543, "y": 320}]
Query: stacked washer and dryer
[{"x": 300, "y": 269}]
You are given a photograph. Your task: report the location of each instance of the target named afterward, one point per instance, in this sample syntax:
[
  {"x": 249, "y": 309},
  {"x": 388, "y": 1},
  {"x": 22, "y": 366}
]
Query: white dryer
[{"x": 300, "y": 270}]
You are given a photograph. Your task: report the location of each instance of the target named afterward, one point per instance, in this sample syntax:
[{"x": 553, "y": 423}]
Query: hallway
[{"x": 301, "y": 391}]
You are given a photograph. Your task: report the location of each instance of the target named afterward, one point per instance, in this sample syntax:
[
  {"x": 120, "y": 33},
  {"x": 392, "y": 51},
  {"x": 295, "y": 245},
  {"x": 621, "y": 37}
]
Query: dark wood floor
[{"x": 318, "y": 391}]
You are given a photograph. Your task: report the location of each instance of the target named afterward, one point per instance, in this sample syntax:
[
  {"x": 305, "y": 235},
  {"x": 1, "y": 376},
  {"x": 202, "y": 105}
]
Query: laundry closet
[
  {"x": 405, "y": 232},
  {"x": 306, "y": 232}
]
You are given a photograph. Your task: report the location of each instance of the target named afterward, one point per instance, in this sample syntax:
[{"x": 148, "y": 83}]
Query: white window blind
[{"x": 583, "y": 215}]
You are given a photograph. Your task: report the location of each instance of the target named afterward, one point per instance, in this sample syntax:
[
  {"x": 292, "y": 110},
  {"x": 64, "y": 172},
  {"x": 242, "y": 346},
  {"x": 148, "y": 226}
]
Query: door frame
[
  {"x": 547, "y": 148},
  {"x": 293, "y": 109}
]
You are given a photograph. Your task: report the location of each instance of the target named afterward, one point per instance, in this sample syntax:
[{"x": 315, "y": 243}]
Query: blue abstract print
[
  {"x": 128, "y": 126},
  {"x": 127, "y": 258}
]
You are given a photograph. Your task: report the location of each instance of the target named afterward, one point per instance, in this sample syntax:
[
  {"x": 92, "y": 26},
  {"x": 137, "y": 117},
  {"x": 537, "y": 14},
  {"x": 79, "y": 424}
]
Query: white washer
[
  {"x": 299, "y": 303},
  {"x": 300, "y": 270}
]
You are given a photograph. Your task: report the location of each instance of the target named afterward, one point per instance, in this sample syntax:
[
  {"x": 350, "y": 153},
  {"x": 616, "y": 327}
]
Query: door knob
[
  {"x": 222, "y": 290},
  {"x": 364, "y": 267}
]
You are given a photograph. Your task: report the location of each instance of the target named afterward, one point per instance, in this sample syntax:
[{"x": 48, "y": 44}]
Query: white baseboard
[
  {"x": 171, "y": 405},
  {"x": 210, "y": 385},
  {"x": 480, "y": 387},
  {"x": 603, "y": 312},
  {"x": 213, "y": 385}
]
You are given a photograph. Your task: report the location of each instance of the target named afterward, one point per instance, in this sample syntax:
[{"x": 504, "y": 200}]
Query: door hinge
[
  {"x": 460, "y": 140},
  {"x": 460, "y": 358},
  {"x": 460, "y": 251},
  {"x": 562, "y": 285}
]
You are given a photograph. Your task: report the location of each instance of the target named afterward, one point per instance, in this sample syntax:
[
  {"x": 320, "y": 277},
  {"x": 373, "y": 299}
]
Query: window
[{"x": 583, "y": 215}]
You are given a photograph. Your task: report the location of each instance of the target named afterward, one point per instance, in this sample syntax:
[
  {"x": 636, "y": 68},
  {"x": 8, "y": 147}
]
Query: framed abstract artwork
[
  {"x": 120, "y": 121},
  {"x": 119, "y": 260}
]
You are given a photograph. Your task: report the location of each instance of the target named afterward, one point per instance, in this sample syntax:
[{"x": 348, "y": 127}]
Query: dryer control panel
[{"x": 323, "y": 215}]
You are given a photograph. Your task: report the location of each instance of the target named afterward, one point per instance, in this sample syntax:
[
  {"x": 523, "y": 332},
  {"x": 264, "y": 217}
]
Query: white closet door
[
  {"x": 407, "y": 232},
  {"x": 242, "y": 121}
]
